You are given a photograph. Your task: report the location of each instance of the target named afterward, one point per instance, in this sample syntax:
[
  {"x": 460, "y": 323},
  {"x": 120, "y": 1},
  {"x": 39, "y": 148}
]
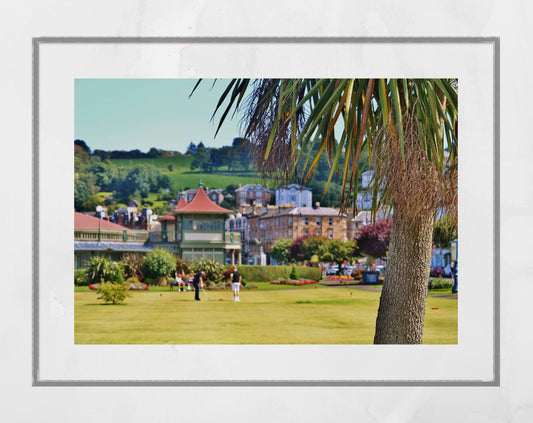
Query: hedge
[
  {"x": 269, "y": 273},
  {"x": 440, "y": 283}
]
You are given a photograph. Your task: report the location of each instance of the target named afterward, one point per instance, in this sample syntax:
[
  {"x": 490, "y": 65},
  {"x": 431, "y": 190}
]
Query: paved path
[{"x": 374, "y": 288}]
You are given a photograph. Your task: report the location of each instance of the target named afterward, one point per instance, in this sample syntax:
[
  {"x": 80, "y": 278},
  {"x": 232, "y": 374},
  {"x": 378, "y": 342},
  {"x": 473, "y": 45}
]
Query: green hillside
[{"x": 183, "y": 177}]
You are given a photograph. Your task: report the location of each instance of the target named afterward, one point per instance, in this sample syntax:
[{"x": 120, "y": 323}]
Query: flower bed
[
  {"x": 294, "y": 283},
  {"x": 340, "y": 278}
]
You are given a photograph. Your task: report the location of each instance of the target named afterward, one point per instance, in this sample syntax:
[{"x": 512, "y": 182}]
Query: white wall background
[{"x": 21, "y": 21}]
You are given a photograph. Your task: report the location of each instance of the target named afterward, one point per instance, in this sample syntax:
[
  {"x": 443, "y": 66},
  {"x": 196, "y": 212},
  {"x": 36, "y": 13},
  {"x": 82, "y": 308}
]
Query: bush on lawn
[
  {"x": 114, "y": 293},
  {"x": 269, "y": 273}
]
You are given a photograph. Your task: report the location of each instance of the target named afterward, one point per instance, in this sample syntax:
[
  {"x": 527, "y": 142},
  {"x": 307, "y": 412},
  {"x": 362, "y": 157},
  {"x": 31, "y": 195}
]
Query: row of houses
[{"x": 199, "y": 227}]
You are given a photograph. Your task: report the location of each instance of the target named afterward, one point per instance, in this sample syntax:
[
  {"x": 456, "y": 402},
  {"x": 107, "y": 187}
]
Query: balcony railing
[
  {"x": 169, "y": 236},
  {"x": 110, "y": 235}
]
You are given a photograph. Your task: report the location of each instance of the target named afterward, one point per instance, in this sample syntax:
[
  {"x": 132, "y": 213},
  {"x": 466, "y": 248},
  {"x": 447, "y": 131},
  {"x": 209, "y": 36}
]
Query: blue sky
[{"x": 128, "y": 114}]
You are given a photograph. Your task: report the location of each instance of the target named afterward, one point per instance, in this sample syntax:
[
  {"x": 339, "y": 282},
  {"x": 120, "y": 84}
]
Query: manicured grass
[{"x": 283, "y": 316}]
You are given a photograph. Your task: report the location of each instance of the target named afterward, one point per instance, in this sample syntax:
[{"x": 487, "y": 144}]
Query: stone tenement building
[
  {"x": 290, "y": 222},
  {"x": 252, "y": 193}
]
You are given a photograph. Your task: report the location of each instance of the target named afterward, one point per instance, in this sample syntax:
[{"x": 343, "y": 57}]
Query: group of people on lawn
[{"x": 197, "y": 281}]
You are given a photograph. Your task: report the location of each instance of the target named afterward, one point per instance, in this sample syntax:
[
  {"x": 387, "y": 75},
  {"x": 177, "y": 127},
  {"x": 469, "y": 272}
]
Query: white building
[
  {"x": 300, "y": 196},
  {"x": 366, "y": 178}
]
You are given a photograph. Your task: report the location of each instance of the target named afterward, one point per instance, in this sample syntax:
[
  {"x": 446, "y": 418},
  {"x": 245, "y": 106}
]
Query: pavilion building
[{"x": 197, "y": 229}]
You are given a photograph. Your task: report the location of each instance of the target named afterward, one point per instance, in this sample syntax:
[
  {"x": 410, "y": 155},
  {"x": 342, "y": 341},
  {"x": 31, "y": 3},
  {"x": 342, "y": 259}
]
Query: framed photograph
[{"x": 61, "y": 68}]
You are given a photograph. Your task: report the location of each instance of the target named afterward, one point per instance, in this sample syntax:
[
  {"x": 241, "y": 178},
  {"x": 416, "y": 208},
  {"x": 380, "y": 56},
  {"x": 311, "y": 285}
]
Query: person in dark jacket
[
  {"x": 453, "y": 265},
  {"x": 198, "y": 283}
]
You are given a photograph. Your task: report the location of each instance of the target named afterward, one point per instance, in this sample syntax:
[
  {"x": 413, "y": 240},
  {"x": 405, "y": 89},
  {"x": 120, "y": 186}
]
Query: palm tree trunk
[{"x": 403, "y": 299}]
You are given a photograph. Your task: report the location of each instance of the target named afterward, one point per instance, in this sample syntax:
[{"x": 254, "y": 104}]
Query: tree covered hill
[{"x": 113, "y": 178}]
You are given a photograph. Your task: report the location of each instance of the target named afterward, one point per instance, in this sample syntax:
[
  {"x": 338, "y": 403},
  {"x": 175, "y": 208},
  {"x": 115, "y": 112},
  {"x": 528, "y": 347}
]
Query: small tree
[
  {"x": 296, "y": 250},
  {"x": 280, "y": 251},
  {"x": 114, "y": 293},
  {"x": 159, "y": 264},
  {"x": 374, "y": 239},
  {"x": 336, "y": 250},
  {"x": 294, "y": 274},
  {"x": 311, "y": 245}
]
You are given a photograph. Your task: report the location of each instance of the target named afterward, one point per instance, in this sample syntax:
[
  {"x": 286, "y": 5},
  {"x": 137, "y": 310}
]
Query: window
[
  {"x": 330, "y": 221},
  {"x": 318, "y": 232},
  {"x": 330, "y": 233},
  {"x": 203, "y": 225},
  {"x": 306, "y": 232},
  {"x": 307, "y": 221},
  {"x": 290, "y": 221},
  {"x": 290, "y": 233},
  {"x": 318, "y": 220}
]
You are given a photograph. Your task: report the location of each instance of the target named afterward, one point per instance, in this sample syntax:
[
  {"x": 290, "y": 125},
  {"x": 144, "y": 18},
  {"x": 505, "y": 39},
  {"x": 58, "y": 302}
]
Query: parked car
[{"x": 437, "y": 271}]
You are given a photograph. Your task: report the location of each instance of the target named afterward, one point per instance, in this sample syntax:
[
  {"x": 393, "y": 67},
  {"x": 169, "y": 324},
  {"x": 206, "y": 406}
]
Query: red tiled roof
[
  {"x": 85, "y": 221},
  {"x": 201, "y": 203},
  {"x": 182, "y": 203},
  {"x": 166, "y": 217}
]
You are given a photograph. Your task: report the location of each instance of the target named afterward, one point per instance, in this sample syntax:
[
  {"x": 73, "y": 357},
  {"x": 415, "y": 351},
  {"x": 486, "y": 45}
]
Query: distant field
[
  {"x": 285, "y": 316},
  {"x": 183, "y": 177}
]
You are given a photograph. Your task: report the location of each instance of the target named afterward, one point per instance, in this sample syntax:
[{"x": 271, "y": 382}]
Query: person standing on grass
[
  {"x": 453, "y": 266},
  {"x": 235, "y": 283},
  {"x": 197, "y": 283}
]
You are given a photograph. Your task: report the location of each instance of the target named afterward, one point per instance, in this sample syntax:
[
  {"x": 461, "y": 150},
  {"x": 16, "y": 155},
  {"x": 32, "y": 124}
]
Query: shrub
[
  {"x": 101, "y": 270},
  {"x": 80, "y": 278},
  {"x": 212, "y": 268},
  {"x": 159, "y": 263},
  {"x": 440, "y": 283},
  {"x": 114, "y": 293},
  {"x": 162, "y": 281},
  {"x": 294, "y": 274},
  {"x": 132, "y": 264},
  {"x": 183, "y": 267}
]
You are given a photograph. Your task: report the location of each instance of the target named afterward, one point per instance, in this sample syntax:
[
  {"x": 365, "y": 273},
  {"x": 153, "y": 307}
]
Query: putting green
[{"x": 289, "y": 316}]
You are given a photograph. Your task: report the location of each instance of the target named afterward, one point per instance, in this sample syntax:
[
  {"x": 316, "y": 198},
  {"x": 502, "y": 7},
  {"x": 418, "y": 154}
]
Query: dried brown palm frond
[{"x": 415, "y": 185}]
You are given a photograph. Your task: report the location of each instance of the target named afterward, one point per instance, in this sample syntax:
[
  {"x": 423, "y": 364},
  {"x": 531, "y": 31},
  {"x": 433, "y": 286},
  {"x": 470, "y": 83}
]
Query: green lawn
[{"x": 319, "y": 315}]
